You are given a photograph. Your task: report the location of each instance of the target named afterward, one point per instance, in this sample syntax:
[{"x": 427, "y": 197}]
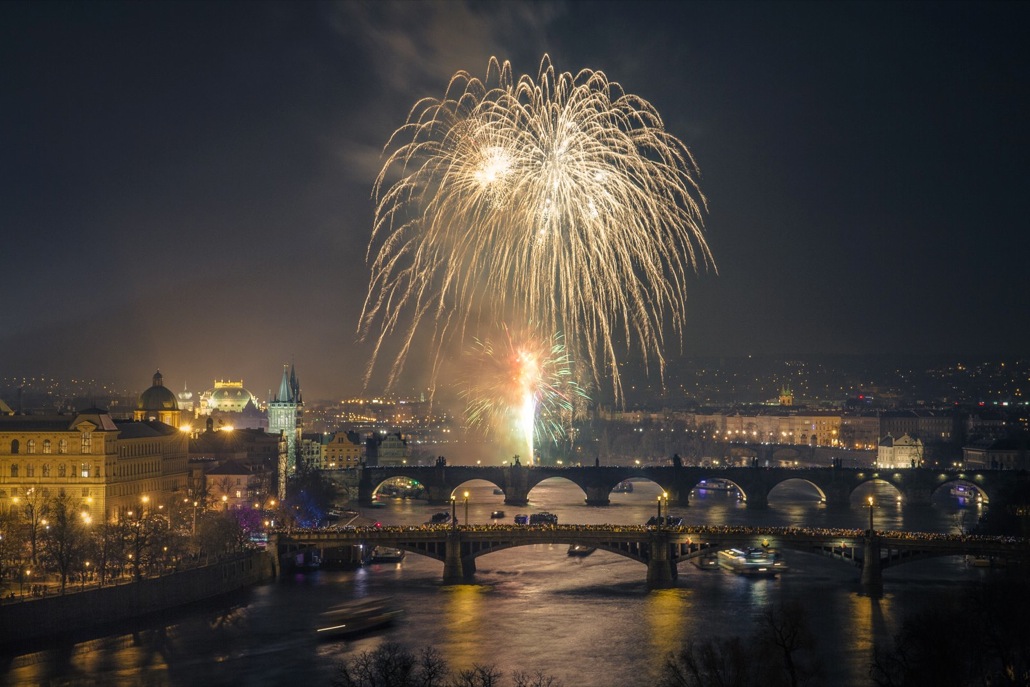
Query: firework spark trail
[
  {"x": 524, "y": 384},
  {"x": 561, "y": 201}
]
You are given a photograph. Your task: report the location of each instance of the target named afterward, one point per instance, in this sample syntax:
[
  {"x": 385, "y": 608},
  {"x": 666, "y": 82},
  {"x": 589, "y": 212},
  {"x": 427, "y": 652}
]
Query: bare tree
[{"x": 65, "y": 538}]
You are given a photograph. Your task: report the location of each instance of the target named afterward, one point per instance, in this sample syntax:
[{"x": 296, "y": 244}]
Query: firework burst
[
  {"x": 561, "y": 201},
  {"x": 522, "y": 384}
]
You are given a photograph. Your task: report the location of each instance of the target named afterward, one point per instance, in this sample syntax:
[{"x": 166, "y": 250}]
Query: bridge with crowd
[{"x": 661, "y": 549}]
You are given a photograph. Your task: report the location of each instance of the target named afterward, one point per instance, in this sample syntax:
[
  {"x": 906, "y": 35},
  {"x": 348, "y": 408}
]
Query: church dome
[
  {"x": 229, "y": 397},
  {"x": 158, "y": 397}
]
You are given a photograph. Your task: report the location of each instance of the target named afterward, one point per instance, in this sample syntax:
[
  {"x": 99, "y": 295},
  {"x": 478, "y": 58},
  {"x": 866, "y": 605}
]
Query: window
[
  {"x": 14, "y": 469},
  {"x": 46, "y": 446},
  {"x": 61, "y": 470},
  {"x": 85, "y": 493},
  {"x": 30, "y": 470},
  {"x": 46, "y": 469},
  {"x": 84, "y": 470},
  {"x": 14, "y": 446},
  {"x": 62, "y": 446},
  {"x": 87, "y": 443},
  {"x": 30, "y": 446}
]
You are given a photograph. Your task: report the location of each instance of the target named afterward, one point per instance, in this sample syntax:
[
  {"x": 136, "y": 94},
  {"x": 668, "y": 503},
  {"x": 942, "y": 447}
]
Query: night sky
[{"x": 187, "y": 186}]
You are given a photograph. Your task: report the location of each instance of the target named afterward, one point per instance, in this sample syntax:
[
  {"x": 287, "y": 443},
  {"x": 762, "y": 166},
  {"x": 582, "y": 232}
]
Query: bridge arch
[
  {"x": 806, "y": 489},
  {"x": 460, "y": 488},
  {"x": 556, "y": 482},
  {"x": 399, "y": 486},
  {"x": 965, "y": 490}
]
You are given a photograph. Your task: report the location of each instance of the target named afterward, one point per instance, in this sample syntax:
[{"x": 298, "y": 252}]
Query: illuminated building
[
  {"x": 344, "y": 450},
  {"x": 158, "y": 403},
  {"x": 903, "y": 452},
  {"x": 106, "y": 466},
  {"x": 284, "y": 417},
  {"x": 227, "y": 396}
]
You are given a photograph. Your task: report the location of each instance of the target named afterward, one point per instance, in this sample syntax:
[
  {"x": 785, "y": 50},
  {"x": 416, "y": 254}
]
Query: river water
[{"x": 587, "y": 621}]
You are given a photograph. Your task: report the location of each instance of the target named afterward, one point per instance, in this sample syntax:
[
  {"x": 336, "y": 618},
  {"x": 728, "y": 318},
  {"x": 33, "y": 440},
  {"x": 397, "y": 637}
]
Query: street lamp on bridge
[
  {"x": 663, "y": 495},
  {"x": 466, "y": 509},
  {"x": 870, "y": 516},
  {"x": 454, "y": 522}
]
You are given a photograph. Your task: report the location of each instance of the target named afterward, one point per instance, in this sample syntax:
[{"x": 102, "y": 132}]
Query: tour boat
[
  {"x": 624, "y": 487},
  {"x": 352, "y": 620},
  {"x": 386, "y": 554},
  {"x": 715, "y": 485},
  {"x": 752, "y": 562},
  {"x": 497, "y": 514},
  {"x": 581, "y": 550}
]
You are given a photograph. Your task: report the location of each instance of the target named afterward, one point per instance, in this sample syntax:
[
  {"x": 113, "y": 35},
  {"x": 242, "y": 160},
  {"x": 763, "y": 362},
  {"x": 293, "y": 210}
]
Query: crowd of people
[{"x": 794, "y": 532}]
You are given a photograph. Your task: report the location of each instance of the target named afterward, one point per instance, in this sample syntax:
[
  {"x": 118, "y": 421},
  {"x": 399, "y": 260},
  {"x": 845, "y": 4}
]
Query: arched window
[
  {"x": 61, "y": 470},
  {"x": 46, "y": 469},
  {"x": 15, "y": 446},
  {"x": 46, "y": 446},
  {"x": 14, "y": 469},
  {"x": 62, "y": 446},
  {"x": 30, "y": 470},
  {"x": 30, "y": 445}
]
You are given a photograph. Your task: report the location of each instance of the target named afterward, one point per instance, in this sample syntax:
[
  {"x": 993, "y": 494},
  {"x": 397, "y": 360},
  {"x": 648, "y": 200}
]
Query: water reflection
[
  {"x": 465, "y": 611},
  {"x": 668, "y": 614}
]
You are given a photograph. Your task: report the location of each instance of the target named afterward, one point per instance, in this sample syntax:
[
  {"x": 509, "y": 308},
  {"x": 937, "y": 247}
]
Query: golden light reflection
[
  {"x": 669, "y": 617},
  {"x": 870, "y": 617},
  {"x": 464, "y": 613}
]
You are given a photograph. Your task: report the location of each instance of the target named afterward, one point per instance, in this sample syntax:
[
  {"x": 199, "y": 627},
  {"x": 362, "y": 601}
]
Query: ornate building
[
  {"x": 158, "y": 403},
  {"x": 285, "y": 416},
  {"x": 106, "y": 466},
  {"x": 227, "y": 396}
]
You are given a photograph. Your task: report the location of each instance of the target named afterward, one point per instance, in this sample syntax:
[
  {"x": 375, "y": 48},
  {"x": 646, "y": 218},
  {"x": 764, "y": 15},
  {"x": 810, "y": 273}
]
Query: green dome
[{"x": 157, "y": 397}]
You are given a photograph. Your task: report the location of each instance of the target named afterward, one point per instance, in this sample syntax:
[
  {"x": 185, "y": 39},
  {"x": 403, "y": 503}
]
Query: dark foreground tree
[
  {"x": 983, "y": 638},
  {"x": 781, "y": 652},
  {"x": 393, "y": 665}
]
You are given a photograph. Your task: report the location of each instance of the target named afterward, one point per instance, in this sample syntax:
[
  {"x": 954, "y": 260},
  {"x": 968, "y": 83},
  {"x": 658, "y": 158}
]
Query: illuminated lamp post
[
  {"x": 466, "y": 509},
  {"x": 454, "y": 522},
  {"x": 870, "y": 516}
]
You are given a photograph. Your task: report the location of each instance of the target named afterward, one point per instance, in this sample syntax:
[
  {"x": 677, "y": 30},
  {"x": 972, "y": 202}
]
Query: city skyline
[{"x": 188, "y": 188}]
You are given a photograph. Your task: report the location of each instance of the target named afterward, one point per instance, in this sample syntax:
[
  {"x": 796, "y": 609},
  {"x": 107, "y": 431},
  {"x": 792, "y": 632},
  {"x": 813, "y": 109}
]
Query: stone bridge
[
  {"x": 660, "y": 549},
  {"x": 834, "y": 484}
]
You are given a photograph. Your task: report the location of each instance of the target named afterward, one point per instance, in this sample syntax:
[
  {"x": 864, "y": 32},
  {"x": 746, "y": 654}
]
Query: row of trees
[{"x": 43, "y": 536}]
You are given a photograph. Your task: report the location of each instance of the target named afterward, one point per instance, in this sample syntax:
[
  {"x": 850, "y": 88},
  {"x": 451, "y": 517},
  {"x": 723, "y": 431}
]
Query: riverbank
[{"x": 52, "y": 616}]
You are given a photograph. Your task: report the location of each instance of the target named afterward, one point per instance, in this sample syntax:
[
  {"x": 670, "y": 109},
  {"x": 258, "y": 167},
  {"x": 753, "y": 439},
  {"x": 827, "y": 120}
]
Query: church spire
[{"x": 285, "y": 394}]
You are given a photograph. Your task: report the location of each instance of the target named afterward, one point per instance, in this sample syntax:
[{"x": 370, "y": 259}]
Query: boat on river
[
  {"x": 716, "y": 485},
  {"x": 623, "y": 487},
  {"x": 386, "y": 554},
  {"x": 441, "y": 518},
  {"x": 581, "y": 550},
  {"x": 356, "y": 619},
  {"x": 751, "y": 562},
  {"x": 497, "y": 514}
]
